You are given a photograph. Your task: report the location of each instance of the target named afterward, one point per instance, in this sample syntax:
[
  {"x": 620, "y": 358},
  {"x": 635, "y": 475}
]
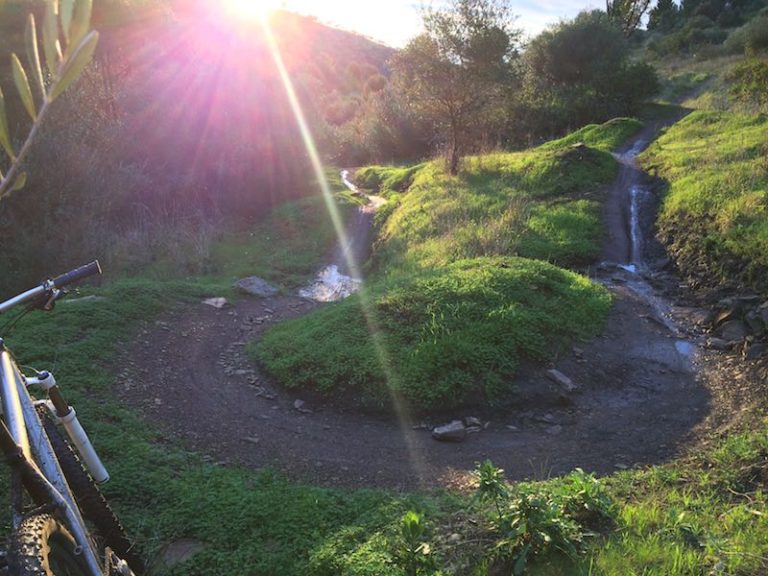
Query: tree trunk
[{"x": 453, "y": 152}]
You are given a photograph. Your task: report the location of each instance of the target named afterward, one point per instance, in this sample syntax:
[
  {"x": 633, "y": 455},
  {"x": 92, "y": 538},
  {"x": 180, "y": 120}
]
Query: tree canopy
[
  {"x": 579, "y": 71},
  {"x": 456, "y": 72},
  {"x": 627, "y": 13}
]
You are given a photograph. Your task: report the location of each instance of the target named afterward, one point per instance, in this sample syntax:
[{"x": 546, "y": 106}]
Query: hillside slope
[
  {"x": 713, "y": 218},
  {"x": 464, "y": 294}
]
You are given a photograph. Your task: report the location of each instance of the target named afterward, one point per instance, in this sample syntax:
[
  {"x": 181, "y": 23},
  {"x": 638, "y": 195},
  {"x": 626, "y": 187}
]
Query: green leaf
[
  {"x": 5, "y": 138},
  {"x": 33, "y": 54},
  {"x": 518, "y": 569},
  {"x": 51, "y": 46},
  {"x": 81, "y": 21},
  {"x": 21, "y": 181},
  {"x": 76, "y": 63},
  {"x": 22, "y": 85},
  {"x": 66, "y": 10}
]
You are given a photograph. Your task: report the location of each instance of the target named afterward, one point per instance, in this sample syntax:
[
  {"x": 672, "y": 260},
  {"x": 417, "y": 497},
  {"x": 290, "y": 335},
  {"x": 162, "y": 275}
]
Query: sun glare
[{"x": 257, "y": 10}]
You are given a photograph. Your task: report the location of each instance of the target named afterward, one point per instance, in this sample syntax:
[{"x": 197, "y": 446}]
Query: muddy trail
[{"x": 643, "y": 393}]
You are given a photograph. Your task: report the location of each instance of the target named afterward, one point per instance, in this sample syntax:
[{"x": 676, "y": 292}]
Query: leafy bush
[
  {"x": 750, "y": 38},
  {"x": 579, "y": 71},
  {"x": 750, "y": 83},
  {"x": 438, "y": 339},
  {"x": 534, "y": 520},
  {"x": 412, "y": 551}
]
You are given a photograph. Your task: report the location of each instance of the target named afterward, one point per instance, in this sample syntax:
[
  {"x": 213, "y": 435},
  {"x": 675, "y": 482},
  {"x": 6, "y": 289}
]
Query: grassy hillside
[
  {"x": 450, "y": 315},
  {"x": 438, "y": 339},
  {"x": 713, "y": 217}
]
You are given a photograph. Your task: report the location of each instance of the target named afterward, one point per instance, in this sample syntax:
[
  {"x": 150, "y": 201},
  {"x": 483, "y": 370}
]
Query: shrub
[
  {"x": 412, "y": 550},
  {"x": 749, "y": 83},
  {"x": 750, "y": 38},
  {"x": 533, "y": 520}
]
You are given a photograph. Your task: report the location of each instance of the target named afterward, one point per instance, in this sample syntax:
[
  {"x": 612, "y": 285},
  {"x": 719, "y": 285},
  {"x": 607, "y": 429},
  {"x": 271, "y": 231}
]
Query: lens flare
[
  {"x": 416, "y": 459},
  {"x": 254, "y": 10}
]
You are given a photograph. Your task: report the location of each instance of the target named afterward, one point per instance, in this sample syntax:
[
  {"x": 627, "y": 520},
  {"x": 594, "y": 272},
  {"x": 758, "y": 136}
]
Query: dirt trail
[{"x": 639, "y": 401}]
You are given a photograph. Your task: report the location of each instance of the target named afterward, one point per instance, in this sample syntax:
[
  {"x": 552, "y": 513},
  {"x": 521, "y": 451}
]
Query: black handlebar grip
[{"x": 91, "y": 269}]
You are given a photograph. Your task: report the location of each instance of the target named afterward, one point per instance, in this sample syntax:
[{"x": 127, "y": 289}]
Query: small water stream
[
  {"x": 639, "y": 199},
  {"x": 338, "y": 280}
]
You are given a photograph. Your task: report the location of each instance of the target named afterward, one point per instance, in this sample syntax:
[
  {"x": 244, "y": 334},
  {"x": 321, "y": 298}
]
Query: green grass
[
  {"x": 607, "y": 137},
  {"x": 450, "y": 337},
  {"x": 459, "y": 295},
  {"x": 704, "y": 515},
  {"x": 248, "y": 522},
  {"x": 714, "y": 211},
  {"x": 683, "y": 85},
  {"x": 289, "y": 244},
  {"x": 386, "y": 180},
  {"x": 542, "y": 203}
]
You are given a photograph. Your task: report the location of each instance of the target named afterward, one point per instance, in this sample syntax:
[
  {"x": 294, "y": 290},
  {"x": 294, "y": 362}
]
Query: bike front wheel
[
  {"x": 89, "y": 498},
  {"x": 41, "y": 546}
]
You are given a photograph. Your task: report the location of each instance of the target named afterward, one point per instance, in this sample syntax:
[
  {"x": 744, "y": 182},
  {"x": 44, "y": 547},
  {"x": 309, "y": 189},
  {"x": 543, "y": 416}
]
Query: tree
[
  {"x": 62, "y": 68},
  {"x": 627, "y": 13},
  {"x": 582, "y": 70},
  {"x": 664, "y": 16},
  {"x": 455, "y": 74}
]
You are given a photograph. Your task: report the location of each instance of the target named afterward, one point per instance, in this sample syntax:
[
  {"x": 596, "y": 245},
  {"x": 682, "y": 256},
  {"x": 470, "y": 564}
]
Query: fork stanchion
[{"x": 67, "y": 416}]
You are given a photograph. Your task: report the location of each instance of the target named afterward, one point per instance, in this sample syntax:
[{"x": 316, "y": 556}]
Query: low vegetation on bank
[
  {"x": 713, "y": 217},
  {"x": 463, "y": 288}
]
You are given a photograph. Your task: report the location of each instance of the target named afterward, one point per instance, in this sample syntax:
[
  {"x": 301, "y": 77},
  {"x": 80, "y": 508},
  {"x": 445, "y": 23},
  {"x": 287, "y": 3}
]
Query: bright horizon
[{"x": 396, "y": 21}]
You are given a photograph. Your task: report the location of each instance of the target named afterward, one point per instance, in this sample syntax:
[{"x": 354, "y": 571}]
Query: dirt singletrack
[{"x": 645, "y": 394}]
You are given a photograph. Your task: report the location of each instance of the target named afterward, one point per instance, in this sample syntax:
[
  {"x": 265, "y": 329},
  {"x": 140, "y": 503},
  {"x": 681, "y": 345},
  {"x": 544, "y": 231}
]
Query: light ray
[{"x": 384, "y": 358}]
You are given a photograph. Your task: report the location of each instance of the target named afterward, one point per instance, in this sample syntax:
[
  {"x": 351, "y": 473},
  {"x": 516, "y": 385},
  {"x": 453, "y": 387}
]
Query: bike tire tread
[{"x": 30, "y": 546}]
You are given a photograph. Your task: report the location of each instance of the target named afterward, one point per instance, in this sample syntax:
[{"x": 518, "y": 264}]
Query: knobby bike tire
[
  {"x": 41, "y": 546},
  {"x": 91, "y": 501}
]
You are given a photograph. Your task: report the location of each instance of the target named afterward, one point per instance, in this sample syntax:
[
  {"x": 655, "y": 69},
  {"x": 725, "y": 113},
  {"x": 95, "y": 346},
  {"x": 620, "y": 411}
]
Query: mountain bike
[{"x": 61, "y": 523}]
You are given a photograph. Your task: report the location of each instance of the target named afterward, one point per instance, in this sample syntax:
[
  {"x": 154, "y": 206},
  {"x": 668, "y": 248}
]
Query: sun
[{"x": 257, "y": 10}]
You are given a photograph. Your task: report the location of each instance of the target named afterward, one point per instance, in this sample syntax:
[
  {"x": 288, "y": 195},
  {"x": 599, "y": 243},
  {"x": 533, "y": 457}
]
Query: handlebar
[
  {"x": 81, "y": 273},
  {"x": 57, "y": 283}
]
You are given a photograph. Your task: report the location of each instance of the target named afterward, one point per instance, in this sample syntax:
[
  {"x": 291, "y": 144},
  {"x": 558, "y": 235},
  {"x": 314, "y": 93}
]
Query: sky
[{"x": 394, "y": 22}]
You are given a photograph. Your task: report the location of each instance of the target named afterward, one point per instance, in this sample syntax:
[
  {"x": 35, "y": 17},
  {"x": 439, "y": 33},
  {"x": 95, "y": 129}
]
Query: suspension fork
[
  {"x": 67, "y": 417},
  {"x": 47, "y": 487}
]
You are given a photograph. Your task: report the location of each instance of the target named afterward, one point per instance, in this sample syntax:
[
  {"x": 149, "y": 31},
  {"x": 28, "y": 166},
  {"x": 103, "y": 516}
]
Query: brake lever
[{"x": 47, "y": 300}]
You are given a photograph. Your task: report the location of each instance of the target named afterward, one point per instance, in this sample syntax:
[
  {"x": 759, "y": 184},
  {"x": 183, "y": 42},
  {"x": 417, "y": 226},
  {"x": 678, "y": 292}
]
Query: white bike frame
[
  {"x": 27, "y": 431},
  {"x": 28, "y": 443}
]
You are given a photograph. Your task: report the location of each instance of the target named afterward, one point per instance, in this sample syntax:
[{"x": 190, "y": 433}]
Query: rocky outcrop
[{"x": 740, "y": 323}]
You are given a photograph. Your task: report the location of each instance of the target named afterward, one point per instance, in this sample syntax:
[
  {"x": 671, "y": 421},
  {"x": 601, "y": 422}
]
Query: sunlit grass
[{"x": 716, "y": 168}]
